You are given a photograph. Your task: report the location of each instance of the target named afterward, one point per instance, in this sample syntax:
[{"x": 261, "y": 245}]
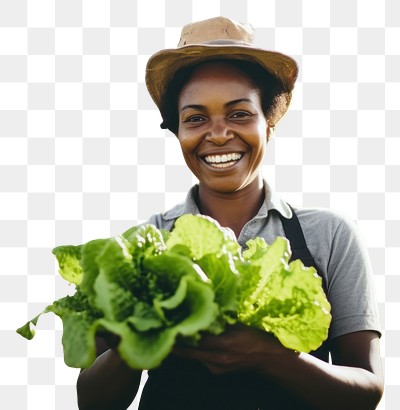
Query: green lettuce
[
  {"x": 287, "y": 298},
  {"x": 151, "y": 287}
]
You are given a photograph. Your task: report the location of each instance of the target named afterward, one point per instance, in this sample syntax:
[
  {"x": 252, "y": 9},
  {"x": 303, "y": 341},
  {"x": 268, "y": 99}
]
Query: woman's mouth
[{"x": 222, "y": 161}]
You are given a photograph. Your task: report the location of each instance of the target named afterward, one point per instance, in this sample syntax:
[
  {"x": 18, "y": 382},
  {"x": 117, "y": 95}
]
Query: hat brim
[{"x": 162, "y": 66}]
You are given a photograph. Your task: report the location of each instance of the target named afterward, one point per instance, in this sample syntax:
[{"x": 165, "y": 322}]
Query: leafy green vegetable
[
  {"x": 149, "y": 287},
  {"x": 288, "y": 300},
  {"x": 68, "y": 260}
]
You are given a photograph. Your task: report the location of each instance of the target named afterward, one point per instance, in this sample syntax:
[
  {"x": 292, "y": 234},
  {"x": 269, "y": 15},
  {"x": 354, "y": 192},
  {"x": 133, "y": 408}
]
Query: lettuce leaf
[
  {"x": 202, "y": 236},
  {"x": 150, "y": 287},
  {"x": 288, "y": 299},
  {"x": 69, "y": 262}
]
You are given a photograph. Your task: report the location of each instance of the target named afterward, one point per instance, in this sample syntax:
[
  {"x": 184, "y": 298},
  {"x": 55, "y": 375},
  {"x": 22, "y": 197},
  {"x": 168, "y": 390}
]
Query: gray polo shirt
[{"x": 335, "y": 244}]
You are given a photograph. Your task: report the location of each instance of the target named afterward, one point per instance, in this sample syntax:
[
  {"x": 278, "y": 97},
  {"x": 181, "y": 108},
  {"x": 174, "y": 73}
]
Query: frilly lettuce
[{"x": 150, "y": 287}]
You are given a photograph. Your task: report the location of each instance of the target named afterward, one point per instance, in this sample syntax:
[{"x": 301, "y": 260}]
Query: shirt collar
[
  {"x": 188, "y": 206},
  {"x": 272, "y": 201}
]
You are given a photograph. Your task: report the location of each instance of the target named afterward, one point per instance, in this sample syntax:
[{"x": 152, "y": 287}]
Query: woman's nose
[{"x": 219, "y": 133}]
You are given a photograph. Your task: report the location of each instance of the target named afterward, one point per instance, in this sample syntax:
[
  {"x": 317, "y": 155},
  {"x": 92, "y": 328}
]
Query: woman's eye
[
  {"x": 240, "y": 114},
  {"x": 195, "y": 119}
]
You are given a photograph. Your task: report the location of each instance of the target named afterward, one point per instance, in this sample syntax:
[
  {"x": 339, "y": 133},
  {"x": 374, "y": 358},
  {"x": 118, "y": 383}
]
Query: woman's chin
[{"x": 227, "y": 185}]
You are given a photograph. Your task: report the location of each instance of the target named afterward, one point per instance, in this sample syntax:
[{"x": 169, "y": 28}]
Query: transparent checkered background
[{"x": 82, "y": 155}]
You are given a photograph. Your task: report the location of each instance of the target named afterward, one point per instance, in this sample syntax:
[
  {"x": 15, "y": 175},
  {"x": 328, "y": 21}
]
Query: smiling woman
[
  {"x": 222, "y": 97},
  {"x": 220, "y": 114}
]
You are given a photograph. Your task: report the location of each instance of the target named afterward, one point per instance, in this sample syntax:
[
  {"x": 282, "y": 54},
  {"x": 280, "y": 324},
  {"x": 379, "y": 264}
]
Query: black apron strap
[
  {"x": 298, "y": 244},
  {"x": 295, "y": 235}
]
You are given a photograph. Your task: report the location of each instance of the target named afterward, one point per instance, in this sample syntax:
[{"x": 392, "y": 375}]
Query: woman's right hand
[{"x": 109, "y": 383}]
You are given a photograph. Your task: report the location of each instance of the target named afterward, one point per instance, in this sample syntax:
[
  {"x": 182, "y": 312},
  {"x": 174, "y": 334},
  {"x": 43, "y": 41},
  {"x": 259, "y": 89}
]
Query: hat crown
[{"x": 217, "y": 29}]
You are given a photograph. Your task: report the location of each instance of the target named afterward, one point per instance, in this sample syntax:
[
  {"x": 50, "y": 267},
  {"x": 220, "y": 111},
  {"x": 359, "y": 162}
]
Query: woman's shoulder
[
  {"x": 326, "y": 225},
  {"x": 324, "y": 216}
]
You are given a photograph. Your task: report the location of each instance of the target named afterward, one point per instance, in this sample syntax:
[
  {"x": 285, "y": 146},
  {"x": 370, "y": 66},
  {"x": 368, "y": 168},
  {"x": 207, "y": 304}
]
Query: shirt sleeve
[{"x": 350, "y": 282}]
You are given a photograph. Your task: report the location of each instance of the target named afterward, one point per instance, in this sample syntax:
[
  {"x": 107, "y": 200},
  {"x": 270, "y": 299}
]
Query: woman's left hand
[
  {"x": 238, "y": 348},
  {"x": 353, "y": 381}
]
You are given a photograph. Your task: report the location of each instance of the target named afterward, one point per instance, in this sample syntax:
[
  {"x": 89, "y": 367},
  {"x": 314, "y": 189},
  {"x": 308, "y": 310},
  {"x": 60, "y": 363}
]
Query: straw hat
[{"x": 216, "y": 38}]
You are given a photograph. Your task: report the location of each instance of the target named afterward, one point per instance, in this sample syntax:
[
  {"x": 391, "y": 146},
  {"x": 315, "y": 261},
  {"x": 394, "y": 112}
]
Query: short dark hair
[{"x": 273, "y": 95}]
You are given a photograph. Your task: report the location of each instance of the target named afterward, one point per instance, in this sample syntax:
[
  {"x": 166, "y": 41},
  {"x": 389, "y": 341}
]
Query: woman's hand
[
  {"x": 109, "y": 382},
  {"x": 353, "y": 381},
  {"x": 239, "y": 348}
]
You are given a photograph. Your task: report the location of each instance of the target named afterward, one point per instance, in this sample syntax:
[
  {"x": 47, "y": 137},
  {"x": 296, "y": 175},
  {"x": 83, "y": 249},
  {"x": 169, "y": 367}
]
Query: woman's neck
[{"x": 232, "y": 210}]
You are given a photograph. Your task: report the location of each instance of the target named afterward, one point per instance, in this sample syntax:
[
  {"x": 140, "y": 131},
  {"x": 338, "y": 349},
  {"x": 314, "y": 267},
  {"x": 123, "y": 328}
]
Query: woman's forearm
[
  {"x": 354, "y": 381},
  {"x": 325, "y": 386},
  {"x": 108, "y": 383}
]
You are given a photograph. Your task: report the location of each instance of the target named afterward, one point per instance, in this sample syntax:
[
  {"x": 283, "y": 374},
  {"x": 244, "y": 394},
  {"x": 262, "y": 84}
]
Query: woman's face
[{"x": 222, "y": 128}]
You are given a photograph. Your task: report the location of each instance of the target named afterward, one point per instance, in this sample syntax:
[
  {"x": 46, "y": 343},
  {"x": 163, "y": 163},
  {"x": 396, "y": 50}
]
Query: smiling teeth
[{"x": 222, "y": 159}]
